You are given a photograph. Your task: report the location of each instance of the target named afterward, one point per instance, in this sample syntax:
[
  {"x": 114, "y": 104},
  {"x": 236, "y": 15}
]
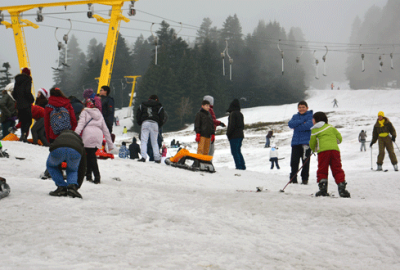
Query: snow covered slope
[{"x": 159, "y": 217}]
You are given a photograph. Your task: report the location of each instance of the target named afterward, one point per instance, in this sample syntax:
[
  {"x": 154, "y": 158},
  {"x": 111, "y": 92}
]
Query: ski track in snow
[{"x": 160, "y": 217}]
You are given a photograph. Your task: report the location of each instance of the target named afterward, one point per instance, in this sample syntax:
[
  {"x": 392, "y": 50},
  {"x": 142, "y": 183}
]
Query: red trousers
[{"x": 330, "y": 158}]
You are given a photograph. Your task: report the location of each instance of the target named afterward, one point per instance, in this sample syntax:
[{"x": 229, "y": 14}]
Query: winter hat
[
  {"x": 381, "y": 114},
  {"x": 87, "y": 93},
  {"x": 210, "y": 99},
  {"x": 44, "y": 92},
  {"x": 89, "y": 103},
  {"x": 26, "y": 71}
]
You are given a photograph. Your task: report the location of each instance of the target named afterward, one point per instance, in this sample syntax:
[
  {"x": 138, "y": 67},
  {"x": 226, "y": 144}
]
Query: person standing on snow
[
  {"x": 301, "y": 124},
  {"x": 8, "y": 110},
  {"x": 362, "y": 138},
  {"x": 150, "y": 116},
  {"x": 24, "y": 98},
  {"x": 383, "y": 127},
  {"x": 204, "y": 128},
  {"x": 92, "y": 127},
  {"x": 273, "y": 157},
  {"x": 215, "y": 121},
  {"x": 268, "y": 138},
  {"x": 334, "y": 103},
  {"x": 324, "y": 140},
  {"x": 235, "y": 133},
  {"x": 107, "y": 104}
]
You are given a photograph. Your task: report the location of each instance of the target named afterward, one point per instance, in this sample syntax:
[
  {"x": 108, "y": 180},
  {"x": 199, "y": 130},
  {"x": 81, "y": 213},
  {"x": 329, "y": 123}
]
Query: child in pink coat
[{"x": 92, "y": 127}]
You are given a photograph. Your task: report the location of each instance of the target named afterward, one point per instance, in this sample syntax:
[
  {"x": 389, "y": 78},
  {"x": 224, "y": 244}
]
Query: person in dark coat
[
  {"x": 107, "y": 105},
  {"x": 8, "y": 110},
  {"x": 215, "y": 121},
  {"x": 301, "y": 124},
  {"x": 134, "y": 149},
  {"x": 150, "y": 116},
  {"x": 42, "y": 97},
  {"x": 4, "y": 188},
  {"x": 77, "y": 105},
  {"x": 67, "y": 147},
  {"x": 204, "y": 128},
  {"x": 235, "y": 133},
  {"x": 23, "y": 96},
  {"x": 268, "y": 138}
]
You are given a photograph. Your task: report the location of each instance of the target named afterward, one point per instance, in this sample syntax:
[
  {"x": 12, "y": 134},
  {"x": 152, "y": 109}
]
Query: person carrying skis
[
  {"x": 324, "y": 140},
  {"x": 361, "y": 138},
  {"x": 382, "y": 129},
  {"x": 204, "y": 128},
  {"x": 273, "y": 157},
  {"x": 301, "y": 123}
]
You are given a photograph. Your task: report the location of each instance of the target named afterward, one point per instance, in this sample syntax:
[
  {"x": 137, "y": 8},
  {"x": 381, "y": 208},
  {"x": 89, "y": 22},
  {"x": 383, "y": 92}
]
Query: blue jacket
[
  {"x": 301, "y": 123},
  {"x": 123, "y": 152}
]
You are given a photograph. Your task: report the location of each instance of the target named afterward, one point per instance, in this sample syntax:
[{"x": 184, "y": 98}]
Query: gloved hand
[
  {"x": 370, "y": 145},
  {"x": 197, "y": 137},
  {"x": 394, "y": 139},
  {"x": 212, "y": 137},
  {"x": 222, "y": 125}
]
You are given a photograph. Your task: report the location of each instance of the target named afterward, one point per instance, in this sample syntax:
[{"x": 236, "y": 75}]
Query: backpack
[{"x": 59, "y": 119}]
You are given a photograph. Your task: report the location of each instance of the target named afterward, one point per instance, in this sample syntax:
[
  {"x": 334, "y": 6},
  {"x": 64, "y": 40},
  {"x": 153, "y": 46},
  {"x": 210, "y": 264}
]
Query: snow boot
[
  {"x": 396, "y": 168},
  {"x": 142, "y": 160},
  {"x": 59, "y": 192},
  {"x": 46, "y": 175},
  {"x": 323, "y": 188},
  {"x": 379, "y": 167},
  {"x": 73, "y": 191},
  {"x": 89, "y": 177},
  {"x": 96, "y": 180},
  {"x": 158, "y": 161},
  {"x": 342, "y": 190}
]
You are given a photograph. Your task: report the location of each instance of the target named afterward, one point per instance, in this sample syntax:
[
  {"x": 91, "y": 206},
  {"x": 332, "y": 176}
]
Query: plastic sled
[
  {"x": 11, "y": 137},
  {"x": 198, "y": 162},
  {"x": 102, "y": 154}
]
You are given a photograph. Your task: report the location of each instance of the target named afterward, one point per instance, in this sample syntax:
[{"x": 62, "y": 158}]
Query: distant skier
[
  {"x": 383, "y": 127},
  {"x": 324, "y": 140},
  {"x": 361, "y": 138},
  {"x": 273, "y": 157},
  {"x": 332, "y": 86},
  {"x": 335, "y": 103},
  {"x": 268, "y": 138}
]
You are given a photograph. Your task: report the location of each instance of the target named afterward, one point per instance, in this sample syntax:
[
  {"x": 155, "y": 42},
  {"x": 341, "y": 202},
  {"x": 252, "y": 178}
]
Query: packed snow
[{"x": 160, "y": 217}]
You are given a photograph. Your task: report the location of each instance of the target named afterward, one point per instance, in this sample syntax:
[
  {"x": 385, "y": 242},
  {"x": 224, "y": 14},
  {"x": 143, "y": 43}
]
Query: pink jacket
[{"x": 92, "y": 135}]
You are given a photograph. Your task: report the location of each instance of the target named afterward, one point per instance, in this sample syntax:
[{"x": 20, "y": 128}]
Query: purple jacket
[{"x": 92, "y": 135}]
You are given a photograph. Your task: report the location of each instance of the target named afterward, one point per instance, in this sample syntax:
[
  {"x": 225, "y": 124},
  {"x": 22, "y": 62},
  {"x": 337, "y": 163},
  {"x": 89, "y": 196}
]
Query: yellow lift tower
[{"x": 17, "y": 24}]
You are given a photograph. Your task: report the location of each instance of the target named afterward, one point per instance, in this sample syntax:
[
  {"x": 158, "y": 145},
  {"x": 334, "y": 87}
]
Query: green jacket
[{"x": 324, "y": 137}]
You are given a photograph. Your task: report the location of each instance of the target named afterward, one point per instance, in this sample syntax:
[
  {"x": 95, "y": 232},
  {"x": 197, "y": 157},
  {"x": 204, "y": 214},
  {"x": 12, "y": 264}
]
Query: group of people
[{"x": 73, "y": 129}]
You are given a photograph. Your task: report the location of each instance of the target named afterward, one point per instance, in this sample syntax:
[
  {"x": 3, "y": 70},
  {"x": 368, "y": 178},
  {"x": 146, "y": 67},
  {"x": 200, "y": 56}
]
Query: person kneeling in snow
[
  {"x": 67, "y": 147},
  {"x": 324, "y": 140},
  {"x": 123, "y": 151},
  {"x": 4, "y": 188}
]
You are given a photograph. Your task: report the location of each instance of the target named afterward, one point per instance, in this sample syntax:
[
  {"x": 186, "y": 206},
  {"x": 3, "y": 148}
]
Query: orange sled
[{"x": 199, "y": 162}]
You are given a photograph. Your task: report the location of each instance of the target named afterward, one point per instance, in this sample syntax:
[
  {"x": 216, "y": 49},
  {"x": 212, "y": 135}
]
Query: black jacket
[
  {"x": 134, "y": 149},
  {"x": 22, "y": 91},
  {"x": 7, "y": 107},
  {"x": 70, "y": 139},
  {"x": 204, "y": 124},
  {"x": 150, "y": 110},
  {"x": 107, "y": 109},
  {"x": 77, "y": 105},
  {"x": 235, "y": 121}
]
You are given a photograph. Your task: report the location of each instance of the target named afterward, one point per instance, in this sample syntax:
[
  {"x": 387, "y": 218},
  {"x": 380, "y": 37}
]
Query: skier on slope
[
  {"x": 324, "y": 140},
  {"x": 361, "y": 138},
  {"x": 383, "y": 127}
]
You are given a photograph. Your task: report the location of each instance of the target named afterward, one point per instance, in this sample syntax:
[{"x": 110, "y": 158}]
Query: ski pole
[{"x": 283, "y": 190}]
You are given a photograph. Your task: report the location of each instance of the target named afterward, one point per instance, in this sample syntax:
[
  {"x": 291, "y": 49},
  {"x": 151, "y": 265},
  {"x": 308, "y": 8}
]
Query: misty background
[{"x": 312, "y": 24}]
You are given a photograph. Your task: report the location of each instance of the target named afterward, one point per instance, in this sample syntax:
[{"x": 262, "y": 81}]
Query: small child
[
  {"x": 125, "y": 132},
  {"x": 204, "y": 127},
  {"x": 123, "y": 151},
  {"x": 324, "y": 140},
  {"x": 273, "y": 157}
]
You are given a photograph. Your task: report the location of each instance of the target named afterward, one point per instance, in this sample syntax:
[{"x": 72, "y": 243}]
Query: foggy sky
[{"x": 320, "y": 20}]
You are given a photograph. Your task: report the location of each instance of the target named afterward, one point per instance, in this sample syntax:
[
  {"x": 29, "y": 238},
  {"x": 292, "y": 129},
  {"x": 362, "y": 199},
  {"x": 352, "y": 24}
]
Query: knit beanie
[
  {"x": 209, "y": 99},
  {"x": 26, "y": 71},
  {"x": 44, "y": 92},
  {"x": 381, "y": 114},
  {"x": 87, "y": 93}
]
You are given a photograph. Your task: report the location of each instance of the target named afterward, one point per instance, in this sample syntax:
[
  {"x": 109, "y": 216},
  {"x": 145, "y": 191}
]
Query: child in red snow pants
[{"x": 330, "y": 158}]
